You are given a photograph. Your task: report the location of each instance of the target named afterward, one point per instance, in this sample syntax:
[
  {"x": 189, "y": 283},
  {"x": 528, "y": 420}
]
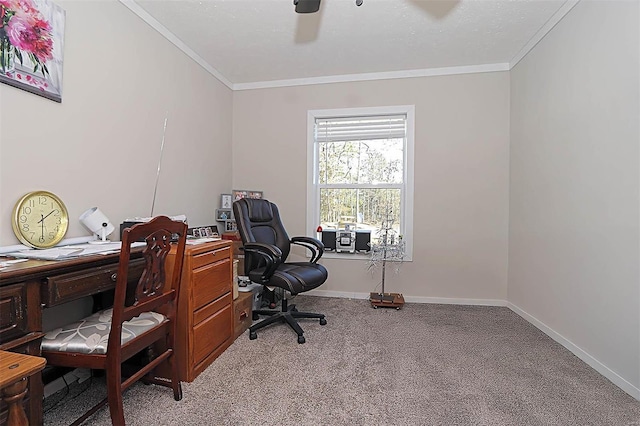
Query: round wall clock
[{"x": 40, "y": 219}]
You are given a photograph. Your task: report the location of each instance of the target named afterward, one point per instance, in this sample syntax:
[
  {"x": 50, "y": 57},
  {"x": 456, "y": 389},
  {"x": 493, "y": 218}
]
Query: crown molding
[
  {"x": 144, "y": 15},
  {"x": 430, "y": 72},
  {"x": 543, "y": 31}
]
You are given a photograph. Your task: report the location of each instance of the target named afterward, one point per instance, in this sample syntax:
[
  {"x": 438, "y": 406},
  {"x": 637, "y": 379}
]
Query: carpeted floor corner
[{"x": 423, "y": 365}]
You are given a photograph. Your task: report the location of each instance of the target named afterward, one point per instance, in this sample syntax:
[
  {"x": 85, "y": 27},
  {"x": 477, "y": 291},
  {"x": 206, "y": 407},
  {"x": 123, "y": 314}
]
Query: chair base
[{"x": 288, "y": 314}]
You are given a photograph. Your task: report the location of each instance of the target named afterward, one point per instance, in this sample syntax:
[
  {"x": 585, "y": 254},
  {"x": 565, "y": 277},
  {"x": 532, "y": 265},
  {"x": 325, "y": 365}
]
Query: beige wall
[
  {"x": 461, "y": 175},
  {"x": 573, "y": 236},
  {"x": 101, "y": 146}
]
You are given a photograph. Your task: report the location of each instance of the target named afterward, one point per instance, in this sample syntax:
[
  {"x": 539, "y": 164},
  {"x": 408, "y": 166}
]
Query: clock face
[{"x": 40, "y": 219}]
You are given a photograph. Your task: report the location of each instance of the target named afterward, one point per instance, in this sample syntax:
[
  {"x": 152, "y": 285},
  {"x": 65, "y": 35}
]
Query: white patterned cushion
[{"x": 91, "y": 334}]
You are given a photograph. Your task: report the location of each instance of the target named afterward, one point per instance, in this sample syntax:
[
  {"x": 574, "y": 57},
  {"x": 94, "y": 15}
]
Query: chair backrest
[
  {"x": 258, "y": 221},
  {"x": 154, "y": 289}
]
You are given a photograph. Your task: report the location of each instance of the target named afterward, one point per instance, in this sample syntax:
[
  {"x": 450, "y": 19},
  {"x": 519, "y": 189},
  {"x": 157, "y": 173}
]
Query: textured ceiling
[{"x": 249, "y": 41}]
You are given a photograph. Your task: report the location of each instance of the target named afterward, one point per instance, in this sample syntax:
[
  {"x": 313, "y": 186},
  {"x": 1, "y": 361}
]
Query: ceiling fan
[{"x": 312, "y": 6}]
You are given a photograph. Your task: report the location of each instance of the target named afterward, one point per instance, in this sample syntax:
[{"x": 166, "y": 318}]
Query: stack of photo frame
[{"x": 225, "y": 213}]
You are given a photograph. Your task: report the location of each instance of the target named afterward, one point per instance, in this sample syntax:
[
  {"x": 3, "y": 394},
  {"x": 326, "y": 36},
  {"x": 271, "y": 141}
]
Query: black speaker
[
  {"x": 363, "y": 238},
  {"x": 329, "y": 240},
  {"x": 127, "y": 224}
]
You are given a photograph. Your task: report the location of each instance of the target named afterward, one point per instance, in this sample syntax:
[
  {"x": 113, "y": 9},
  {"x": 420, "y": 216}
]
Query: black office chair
[{"x": 266, "y": 248}]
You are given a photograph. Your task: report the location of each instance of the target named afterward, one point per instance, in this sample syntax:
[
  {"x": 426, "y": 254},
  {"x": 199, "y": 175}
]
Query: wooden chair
[{"x": 143, "y": 315}]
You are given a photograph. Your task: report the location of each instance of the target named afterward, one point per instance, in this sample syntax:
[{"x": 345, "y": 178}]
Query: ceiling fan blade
[
  {"x": 308, "y": 27},
  {"x": 437, "y": 9},
  {"x": 307, "y": 6}
]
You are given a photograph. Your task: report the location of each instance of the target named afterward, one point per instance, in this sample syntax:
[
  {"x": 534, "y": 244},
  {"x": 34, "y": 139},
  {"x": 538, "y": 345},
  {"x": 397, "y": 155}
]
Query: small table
[{"x": 15, "y": 368}]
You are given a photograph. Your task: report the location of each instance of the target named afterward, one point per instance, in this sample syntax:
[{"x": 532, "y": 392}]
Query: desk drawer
[
  {"x": 209, "y": 334},
  {"x": 209, "y": 257},
  {"x": 242, "y": 313},
  {"x": 74, "y": 285},
  {"x": 211, "y": 282},
  {"x": 13, "y": 311},
  {"x": 209, "y": 310}
]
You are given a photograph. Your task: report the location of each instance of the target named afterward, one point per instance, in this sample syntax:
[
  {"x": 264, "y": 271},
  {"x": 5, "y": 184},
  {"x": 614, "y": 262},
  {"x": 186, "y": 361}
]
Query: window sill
[{"x": 353, "y": 256}]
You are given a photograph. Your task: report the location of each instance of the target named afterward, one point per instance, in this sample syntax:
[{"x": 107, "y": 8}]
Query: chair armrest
[
  {"x": 270, "y": 253},
  {"x": 314, "y": 245}
]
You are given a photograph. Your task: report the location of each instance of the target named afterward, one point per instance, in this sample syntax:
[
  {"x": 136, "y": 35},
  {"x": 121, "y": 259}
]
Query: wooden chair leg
[
  {"x": 176, "y": 385},
  {"x": 175, "y": 376},
  {"x": 114, "y": 395}
]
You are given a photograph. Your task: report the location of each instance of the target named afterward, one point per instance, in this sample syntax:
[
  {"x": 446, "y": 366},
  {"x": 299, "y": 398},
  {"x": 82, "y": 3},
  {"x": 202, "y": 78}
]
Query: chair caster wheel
[
  {"x": 323, "y": 321},
  {"x": 253, "y": 335},
  {"x": 375, "y": 307},
  {"x": 301, "y": 339},
  {"x": 255, "y": 316}
]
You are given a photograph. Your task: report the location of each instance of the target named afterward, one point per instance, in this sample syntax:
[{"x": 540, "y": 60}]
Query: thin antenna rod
[{"x": 155, "y": 190}]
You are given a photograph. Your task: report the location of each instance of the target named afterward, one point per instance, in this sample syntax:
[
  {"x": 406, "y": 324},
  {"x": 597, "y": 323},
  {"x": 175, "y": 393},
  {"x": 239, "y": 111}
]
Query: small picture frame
[
  {"x": 223, "y": 215},
  {"x": 212, "y": 231},
  {"x": 196, "y": 233},
  {"x": 226, "y": 201},
  {"x": 239, "y": 194},
  {"x": 230, "y": 226}
]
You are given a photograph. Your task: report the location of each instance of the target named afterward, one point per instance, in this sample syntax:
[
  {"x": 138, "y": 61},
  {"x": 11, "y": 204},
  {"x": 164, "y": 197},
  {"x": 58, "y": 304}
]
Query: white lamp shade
[{"x": 96, "y": 221}]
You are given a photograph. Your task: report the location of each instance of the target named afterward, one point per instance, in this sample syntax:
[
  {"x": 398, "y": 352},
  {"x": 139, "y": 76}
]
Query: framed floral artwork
[
  {"x": 31, "y": 46},
  {"x": 238, "y": 194}
]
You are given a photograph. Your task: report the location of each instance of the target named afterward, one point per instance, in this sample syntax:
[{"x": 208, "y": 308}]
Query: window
[{"x": 361, "y": 171}]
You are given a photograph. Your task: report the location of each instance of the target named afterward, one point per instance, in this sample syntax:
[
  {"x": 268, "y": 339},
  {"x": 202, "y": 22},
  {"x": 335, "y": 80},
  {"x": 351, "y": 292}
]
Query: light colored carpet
[{"x": 423, "y": 365}]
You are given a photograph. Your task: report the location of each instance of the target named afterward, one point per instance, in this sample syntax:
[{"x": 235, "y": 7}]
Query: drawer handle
[
  {"x": 243, "y": 315},
  {"x": 114, "y": 277}
]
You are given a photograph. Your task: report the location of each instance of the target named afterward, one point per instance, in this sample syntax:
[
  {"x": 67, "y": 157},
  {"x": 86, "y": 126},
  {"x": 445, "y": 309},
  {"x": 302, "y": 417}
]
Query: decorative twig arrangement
[{"x": 389, "y": 248}]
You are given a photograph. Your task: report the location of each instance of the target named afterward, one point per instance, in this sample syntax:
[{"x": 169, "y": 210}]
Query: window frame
[{"x": 313, "y": 186}]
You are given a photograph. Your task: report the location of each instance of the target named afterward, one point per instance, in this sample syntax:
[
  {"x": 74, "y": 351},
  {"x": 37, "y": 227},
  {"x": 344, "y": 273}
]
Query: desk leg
[{"x": 12, "y": 396}]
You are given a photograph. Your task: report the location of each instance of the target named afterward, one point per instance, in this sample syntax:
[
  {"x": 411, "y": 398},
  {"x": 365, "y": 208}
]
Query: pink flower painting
[{"x": 31, "y": 38}]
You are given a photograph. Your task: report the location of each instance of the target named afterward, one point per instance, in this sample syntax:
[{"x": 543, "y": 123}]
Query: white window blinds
[{"x": 360, "y": 128}]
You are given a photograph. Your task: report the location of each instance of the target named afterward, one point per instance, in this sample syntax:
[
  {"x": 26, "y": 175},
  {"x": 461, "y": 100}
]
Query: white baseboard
[
  {"x": 53, "y": 387},
  {"x": 411, "y": 299},
  {"x": 78, "y": 375},
  {"x": 338, "y": 294},
  {"x": 455, "y": 301},
  {"x": 579, "y": 352},
  {"x": 574, "y": 349}
]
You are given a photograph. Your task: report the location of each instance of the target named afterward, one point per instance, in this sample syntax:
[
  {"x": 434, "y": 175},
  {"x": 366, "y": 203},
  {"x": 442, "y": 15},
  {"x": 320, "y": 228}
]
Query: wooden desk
[
  {"x": 27, "y": 288},
  {"x": 15, "y": 369},
  {"x": 205, "y": 308}
]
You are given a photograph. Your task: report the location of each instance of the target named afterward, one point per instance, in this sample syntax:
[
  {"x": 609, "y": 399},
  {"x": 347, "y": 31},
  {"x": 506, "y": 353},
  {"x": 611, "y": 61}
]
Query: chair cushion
[
  {"x": 91, "y": 334},
  {"x": 295, "y": 277},
  {"x": 260, "y": 210}
]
